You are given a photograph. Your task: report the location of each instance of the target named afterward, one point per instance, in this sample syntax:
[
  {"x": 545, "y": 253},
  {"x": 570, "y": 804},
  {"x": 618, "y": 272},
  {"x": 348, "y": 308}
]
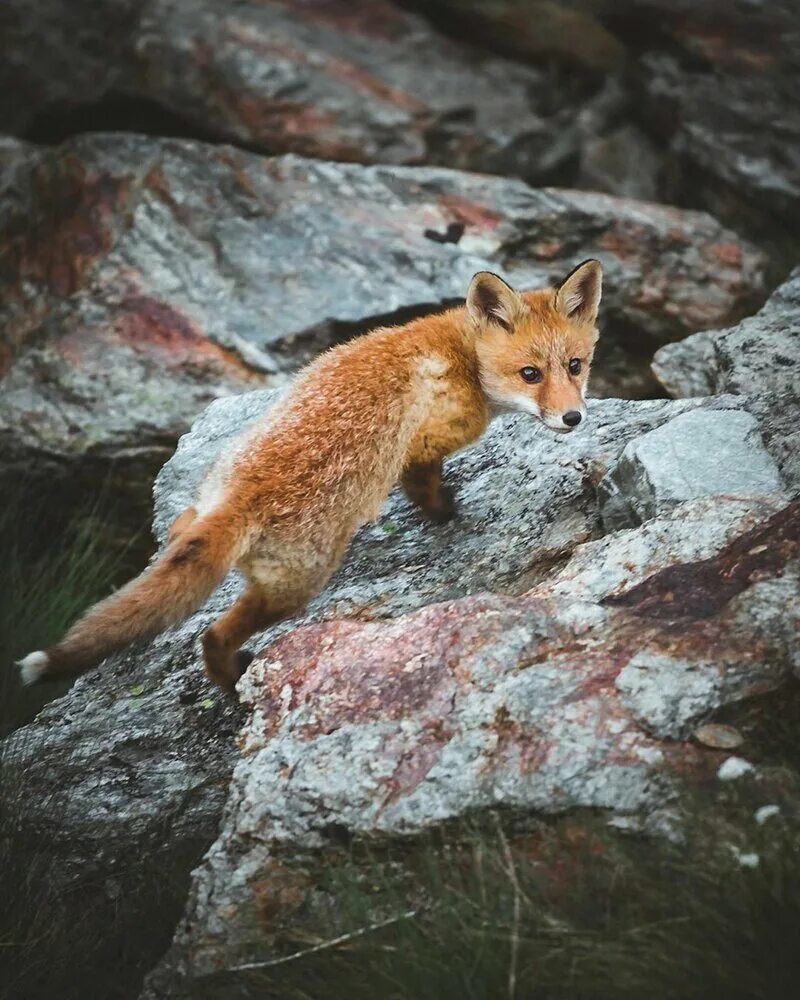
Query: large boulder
[
  {"x": 371, "y": 81},
  {"x": 136, "y": 760},
  {"x": 363, "y": 81},
  {"x": 141, "y": 278},
  {"x": 369, "y": 733}
]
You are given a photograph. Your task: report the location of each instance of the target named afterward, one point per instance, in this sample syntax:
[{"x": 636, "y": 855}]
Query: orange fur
[{"x": 287, "y": 498}]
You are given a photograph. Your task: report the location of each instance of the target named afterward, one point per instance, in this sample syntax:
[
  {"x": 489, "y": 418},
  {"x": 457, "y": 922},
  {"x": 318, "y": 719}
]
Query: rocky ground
[{"x": 570, "y": 643}]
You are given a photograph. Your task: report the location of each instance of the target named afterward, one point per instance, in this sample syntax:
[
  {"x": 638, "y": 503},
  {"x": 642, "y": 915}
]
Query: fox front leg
[{"x": 422, "y": 482}]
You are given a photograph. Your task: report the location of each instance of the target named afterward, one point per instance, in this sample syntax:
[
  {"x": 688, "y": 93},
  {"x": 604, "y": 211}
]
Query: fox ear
[
  {"x": 578, "y": 295},
  {"x": 491, "y": 300}
]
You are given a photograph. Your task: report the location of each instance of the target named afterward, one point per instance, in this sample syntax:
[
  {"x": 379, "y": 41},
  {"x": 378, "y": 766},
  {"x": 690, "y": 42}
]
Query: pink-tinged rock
[
  {"x": 136, "y": 760},
  {"x": 381, "y": 730}
]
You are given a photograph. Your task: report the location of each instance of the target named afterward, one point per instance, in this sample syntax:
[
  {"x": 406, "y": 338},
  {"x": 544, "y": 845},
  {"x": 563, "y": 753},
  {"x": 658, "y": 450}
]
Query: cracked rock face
[{"x": 161, "y": 274}]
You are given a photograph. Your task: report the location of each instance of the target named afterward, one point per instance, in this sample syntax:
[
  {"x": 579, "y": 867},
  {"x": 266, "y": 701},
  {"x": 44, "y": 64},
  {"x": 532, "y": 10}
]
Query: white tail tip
[{"x": 34, "y": 667}]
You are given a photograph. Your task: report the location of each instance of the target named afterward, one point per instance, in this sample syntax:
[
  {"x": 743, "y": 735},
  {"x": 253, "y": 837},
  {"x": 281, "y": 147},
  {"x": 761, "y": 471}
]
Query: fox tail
[{"x": 169, "y": 590}]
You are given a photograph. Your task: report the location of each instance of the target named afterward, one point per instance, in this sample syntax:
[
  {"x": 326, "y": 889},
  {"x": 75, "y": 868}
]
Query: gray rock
[
  {"x": 760, "y": 354},
  {"x": 161, "y": 274},
  {"x": 380, "y": 730},
  {"x": 520, "y": 481},
  {"x": 701, "y": 453},
  {"x": 711, "y": 73},
  {"x": 760, "y": 357},
  {"x": 669, "y": 694},
  {"x": 136, "y": 759},
  {"x": 687, "y": 367},
  {"x": 365, "y": 81},
  {"x": 624, "y": 162},
  {"x": 720, "y": 155},
  {"x": 694, "y": 530}
]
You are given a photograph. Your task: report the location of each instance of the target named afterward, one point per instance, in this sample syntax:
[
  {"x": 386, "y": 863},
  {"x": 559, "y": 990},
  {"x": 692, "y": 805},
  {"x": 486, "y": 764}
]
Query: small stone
[
  {"x": 734, "y": 768},
  {"x": 747, "y": 859},
  {"x": 718, "y": 736},
  {"x": 765, "y": 813}
]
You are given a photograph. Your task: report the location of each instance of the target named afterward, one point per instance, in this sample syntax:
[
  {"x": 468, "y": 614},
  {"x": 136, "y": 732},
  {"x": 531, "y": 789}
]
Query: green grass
[
  {"x": 530, "y": 910},
  {"x": 48, "y": 576},
  {"x": 50, "y": 571},
  {"x": 564, "y": 911}
]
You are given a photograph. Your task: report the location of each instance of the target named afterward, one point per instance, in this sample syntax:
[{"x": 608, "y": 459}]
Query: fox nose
[{"x": 572, "y": 418}]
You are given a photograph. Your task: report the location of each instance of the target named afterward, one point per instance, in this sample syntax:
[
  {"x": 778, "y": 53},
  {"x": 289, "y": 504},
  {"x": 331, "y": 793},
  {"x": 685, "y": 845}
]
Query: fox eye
[
  {"x": 575, "y": 366},
  {"x": 531, "y": 374}
]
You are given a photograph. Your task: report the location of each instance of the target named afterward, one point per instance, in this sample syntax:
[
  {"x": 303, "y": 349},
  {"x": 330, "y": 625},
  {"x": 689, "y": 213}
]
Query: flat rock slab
[
  {"x": 700, "y": 453},
  {"x": 141, "y": 278}
]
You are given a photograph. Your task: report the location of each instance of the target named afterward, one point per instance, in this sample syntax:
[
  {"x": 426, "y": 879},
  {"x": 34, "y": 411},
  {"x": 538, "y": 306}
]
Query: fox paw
[{"x": 445, "y": 508}]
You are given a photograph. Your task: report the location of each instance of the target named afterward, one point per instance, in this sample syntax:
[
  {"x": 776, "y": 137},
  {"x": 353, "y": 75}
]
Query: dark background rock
[
  {"x": 704, "y": 91},
  {"x": 141, "y": 278},
  {"x": 713, "y": 83},
  {"x": 572, "y": 31},
  {"x": 364, "y": 81},
  {"x": 726, "y": 100}
]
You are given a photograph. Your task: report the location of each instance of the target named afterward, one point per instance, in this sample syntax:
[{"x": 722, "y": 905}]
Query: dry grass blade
[{"x": 324, "y": 945}]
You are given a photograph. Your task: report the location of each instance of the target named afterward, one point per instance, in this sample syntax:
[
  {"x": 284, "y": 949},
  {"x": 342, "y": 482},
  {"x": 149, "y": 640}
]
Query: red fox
[{"x": 285, "y": 501}]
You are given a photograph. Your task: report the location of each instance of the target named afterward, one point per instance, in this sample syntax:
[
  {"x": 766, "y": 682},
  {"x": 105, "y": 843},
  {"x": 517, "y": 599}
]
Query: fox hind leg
[{"x": 225, "y": 662}]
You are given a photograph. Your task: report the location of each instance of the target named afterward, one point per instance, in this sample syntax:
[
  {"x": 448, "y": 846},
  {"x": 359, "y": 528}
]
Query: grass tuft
[
  {"x": 566, "y": 911},
  {"x": 49, "y": 574}
]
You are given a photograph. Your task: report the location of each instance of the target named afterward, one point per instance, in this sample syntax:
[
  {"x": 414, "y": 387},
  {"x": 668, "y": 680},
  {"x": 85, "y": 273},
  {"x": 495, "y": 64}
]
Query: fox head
[{"x": 535, "y": 348}]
